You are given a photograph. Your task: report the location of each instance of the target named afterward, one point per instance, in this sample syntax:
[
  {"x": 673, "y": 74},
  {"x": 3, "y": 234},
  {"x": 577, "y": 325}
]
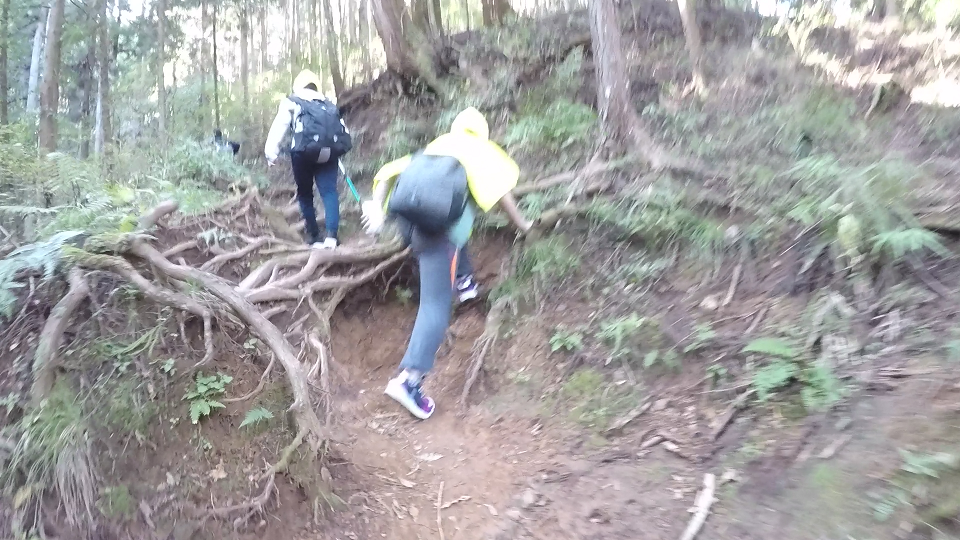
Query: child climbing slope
[{"x": 433, "y": 196}]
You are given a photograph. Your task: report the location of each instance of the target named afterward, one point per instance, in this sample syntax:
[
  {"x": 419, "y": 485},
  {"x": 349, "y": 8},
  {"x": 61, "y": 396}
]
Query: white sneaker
[
  {"x": 410, "y": 396},
  {"x": 329, "y": 243}
]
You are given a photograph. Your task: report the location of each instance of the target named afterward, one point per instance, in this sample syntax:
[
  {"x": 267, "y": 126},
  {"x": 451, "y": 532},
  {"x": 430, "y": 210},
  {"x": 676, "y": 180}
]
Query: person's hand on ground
[{"x": 372, "y": 216}]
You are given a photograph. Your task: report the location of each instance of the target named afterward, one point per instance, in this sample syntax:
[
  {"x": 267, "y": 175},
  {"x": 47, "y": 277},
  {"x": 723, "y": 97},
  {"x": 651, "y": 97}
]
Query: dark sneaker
[
  {"x": 410, "y": 396},
  {"x": 467, "y": 289}
]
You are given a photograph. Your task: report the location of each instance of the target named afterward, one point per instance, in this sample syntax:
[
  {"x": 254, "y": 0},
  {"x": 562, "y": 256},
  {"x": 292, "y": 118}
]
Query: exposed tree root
[{"x": 45, "y": 360}]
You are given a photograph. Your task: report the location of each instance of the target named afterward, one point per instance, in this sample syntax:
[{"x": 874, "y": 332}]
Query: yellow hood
[
  {"x": 304, "y": 78},
  {"x": 471, "y": 121}
]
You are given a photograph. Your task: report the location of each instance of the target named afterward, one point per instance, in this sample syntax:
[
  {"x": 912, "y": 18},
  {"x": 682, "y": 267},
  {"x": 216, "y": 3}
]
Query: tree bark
[
  {"x": 102, "y": 124},
  {"x": 619, "y": 118},
  {"x": 33, "y": 83},
  {"x": 50, "y": 89},
  {"x": 216, "y": 72},
  {"x": 244, "y": 53},
  {"x": 364, "y": 41},
  {"x": 495, "y": 12},
  {"x": 86, "y": 82},
  {"x": 161, "y": 61},
  {"x": 330, "y": 37},
  {"x": 691, "y": 30},
  {"x": 4, "y": 52},
  {"x": 408, "y": 53}
]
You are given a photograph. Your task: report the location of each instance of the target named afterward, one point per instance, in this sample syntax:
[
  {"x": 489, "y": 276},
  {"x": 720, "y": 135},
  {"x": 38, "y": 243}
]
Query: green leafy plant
[
  {"x": 568, "y": 341},
  {"x": 929, "y": 465},
  {"x": 43, "y": 256},
  {"x": 702, "y": 335},
  {"x": 202, "y": 395},
  {"x": 900, "y": 242},
  {"x": 779, "y": 371},
  {"x": 255, "y": 416},
  {"x": 616, "y": 332}
]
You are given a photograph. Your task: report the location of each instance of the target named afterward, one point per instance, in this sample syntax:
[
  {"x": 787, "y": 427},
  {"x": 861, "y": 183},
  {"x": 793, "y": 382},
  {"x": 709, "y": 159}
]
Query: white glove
[{"x": 373, "y": 217}]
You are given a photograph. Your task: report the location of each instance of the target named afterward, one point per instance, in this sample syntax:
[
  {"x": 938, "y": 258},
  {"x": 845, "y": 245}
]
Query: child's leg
[
  {"x": 303, "y": 176},
  {"x": 464, "y": 264},
  {"x": 326, "y": 177},
  {"x": 437, "y": 261},
  {"x": 467, "y": 288}
]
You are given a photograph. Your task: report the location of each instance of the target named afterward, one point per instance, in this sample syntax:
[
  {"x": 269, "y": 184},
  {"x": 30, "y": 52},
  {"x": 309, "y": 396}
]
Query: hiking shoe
[
  {"x": 410, "y": 396},
  {"x": 329, "y": 243},
  {"x": 467, "y": 289}
]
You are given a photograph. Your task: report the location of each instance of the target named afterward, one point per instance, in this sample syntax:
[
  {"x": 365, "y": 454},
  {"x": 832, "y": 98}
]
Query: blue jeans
[
  {"x": 440, "y": 265},
  {"x": 305, "y": 174}
]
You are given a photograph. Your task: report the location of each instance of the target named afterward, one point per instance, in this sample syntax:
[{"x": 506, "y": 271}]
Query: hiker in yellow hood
[
  {"x": 319, "y": 139},
  {"x": 434, "y": 196}
]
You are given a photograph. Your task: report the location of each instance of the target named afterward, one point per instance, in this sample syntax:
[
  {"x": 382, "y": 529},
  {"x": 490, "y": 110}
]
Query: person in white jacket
[{"x": 319, "y": 139}]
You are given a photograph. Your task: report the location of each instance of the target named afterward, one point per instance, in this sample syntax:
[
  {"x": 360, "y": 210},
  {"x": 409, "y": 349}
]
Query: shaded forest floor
[{"x": 620, "y": 376}]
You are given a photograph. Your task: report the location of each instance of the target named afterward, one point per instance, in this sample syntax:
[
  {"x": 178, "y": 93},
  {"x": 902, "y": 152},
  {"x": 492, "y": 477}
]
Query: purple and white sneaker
[
  {"x": 410, "y": 395},
  {"x": 467, "y": 289}
]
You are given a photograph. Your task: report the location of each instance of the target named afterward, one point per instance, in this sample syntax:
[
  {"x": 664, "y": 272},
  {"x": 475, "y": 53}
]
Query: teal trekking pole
[{"x": 353, "y": 188}]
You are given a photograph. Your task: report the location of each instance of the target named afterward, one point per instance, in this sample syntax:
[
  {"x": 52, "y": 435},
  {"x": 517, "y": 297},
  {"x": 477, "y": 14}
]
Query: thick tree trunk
[
  {"x": 408, "y": 53},
  {"x": 102, "y": 125},
  {"x": 495, "y": 12},
  {"x": 691, "y": 30},
  {"x": 620, "y": 120},
  {"x": 364, "y": 41},
  {"x": 161, "y": 62},
  {"x": 33, "y": 83},
  {"x": 50, "y": 89},
  {"x": 216, "y": 71},
  {"x": 4, "y": 51},
  {"x": 244, "y": 53},
  {"x": 330, "y": 37}
]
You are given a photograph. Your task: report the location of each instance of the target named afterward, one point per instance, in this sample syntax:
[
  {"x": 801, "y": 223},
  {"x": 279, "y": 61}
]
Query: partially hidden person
[
  {"x": 223, "y": 145},
  {"x": 320, "y": 138},
  {"x": 433, "y": 197}
]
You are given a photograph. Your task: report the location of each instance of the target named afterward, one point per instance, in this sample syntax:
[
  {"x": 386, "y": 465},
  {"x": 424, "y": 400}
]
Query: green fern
[
  {"x": 773, "y": 376},
  {"x": 771, "y": 347},
  {"x": 43, "y": 256},
  {"x": 201, "y": 396},
  {"x": 900, "y": 242},
  {"x": 255, "y": 416}
]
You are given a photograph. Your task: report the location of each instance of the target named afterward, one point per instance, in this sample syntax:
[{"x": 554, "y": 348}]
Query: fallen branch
[
  {"x": 214, "y": 263},
  {"x": 48, "y": 346},
  {"x": 734, "y": 280},
  {"x": 627, "y": 418},
  {"x": 157, "y": 213},
  {"x": 702, "y": 506},
  {"x": 730, "y": 413},
  {"x": 306, "y": 417},
  {"x": 440, "y": 511},
  {"x": 260, "y": 385},
  {"x": 180, "y": 248}
]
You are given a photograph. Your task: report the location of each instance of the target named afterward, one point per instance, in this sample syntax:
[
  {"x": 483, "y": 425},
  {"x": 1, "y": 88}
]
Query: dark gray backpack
[{"x": 431, "y": 193}]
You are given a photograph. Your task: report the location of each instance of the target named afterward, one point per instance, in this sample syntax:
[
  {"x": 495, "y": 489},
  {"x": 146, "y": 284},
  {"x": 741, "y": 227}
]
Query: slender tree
[
  {"x": 691, "y": 30},
  {"x": 101, "y": 131},
  {"x": 216, "y": 70},
  {"x": 50, "y": 88},
  {"x": 4, "y": 52},
  {"x": 330, "y": 38},
  {"x": 161, "y": 63},
  {"x": 364, "y": 41},
  {"x": 495, "y": 12},
  {"x": 619, "y": 118},
  {"x": 33, "y": 81},
  {"x": 244, "y": 52}
]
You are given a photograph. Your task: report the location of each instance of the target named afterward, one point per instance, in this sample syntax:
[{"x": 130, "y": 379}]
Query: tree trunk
[
  {"x": 465, "y": 6},
  {"x": 33, "y": 83},
  {"x": 409, "y": 59},
  {"x": 102, "y": 125},
  {"x": 244, "y": 54},
  {"x": 364, "y": 41},
  {"x": 4, "y": 51},
  {"x": 495, "y": 12},
  {"x": 86, "y": 82},
  {"x": 331, "y": 40},
  {"x": 264, "y": 41},
  {"x": 50, "y": 89},
  {"x": 161, "y": 61},
  {"x": 619, "y": 118},
  {"x": 436, "y": 15},
  {"x": 216, "y": 72},
  {"x": 891, "y": 11},
  {"x": 691, "y": 30}
]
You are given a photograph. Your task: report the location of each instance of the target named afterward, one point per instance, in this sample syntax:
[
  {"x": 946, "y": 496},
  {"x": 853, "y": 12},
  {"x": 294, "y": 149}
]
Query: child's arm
[{"x": 509, "y": 205}]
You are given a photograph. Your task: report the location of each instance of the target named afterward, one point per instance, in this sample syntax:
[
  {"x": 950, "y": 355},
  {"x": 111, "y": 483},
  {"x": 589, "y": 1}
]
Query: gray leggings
[{"x": 440, "y": 264}]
